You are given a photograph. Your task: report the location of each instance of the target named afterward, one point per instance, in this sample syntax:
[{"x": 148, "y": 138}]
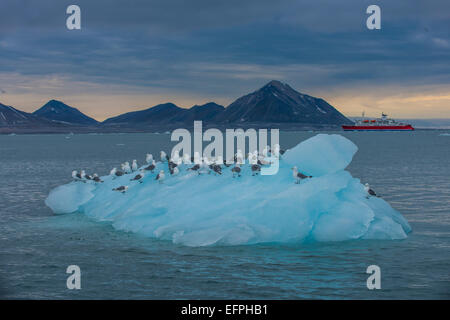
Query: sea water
[{"x": 408, "y": 169}]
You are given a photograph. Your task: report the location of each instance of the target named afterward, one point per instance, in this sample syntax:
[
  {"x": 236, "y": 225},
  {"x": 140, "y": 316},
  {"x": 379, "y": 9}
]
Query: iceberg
[{"x": 204, "y": 210}]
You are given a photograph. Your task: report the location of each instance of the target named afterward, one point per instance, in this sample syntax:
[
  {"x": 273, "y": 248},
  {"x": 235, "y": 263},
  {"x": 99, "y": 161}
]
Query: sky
[{"x": 131, "y": 55}]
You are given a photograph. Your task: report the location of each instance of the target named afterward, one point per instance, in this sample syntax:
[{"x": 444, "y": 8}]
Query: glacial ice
[
  {"x": 320, "y": 155},
  {"x": 202, "y": 210}
]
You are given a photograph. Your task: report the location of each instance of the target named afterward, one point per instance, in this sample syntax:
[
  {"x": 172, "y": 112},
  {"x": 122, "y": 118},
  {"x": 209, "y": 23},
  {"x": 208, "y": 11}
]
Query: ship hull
[{"x": 378, "y": 128}]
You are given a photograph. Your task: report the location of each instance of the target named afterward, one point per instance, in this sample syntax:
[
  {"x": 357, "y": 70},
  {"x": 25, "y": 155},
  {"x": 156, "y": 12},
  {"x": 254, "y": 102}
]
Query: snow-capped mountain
[
  {"x": 278, "y": 102},
  {"x": 275, "y": 103},
  {"x": 55, "y": 110},
  {"x": 11, "y": 117}
]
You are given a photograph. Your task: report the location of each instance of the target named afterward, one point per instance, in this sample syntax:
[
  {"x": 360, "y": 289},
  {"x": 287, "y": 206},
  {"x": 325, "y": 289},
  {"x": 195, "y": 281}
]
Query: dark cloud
[{"x": 209, "y": 46}]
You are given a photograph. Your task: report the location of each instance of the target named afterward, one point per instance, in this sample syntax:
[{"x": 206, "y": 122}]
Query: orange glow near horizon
[{"x": 104, "y": 101}]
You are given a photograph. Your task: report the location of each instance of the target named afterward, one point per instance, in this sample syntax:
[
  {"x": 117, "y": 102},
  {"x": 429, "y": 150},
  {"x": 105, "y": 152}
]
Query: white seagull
[
  {"x": 369, "y": 191},
  {"x": 186, "y": 159},
  {"x": 160, "y": 177},
  {"x": 164, "y": 156},
  {"x": 134, "y": 165},
  {"x": 126, "y": 167},
  {"x": 239, "y": 157},
  {"x": 149, "y": 158},
  {"x": 175, "y": 171},
  {"x": 75, "y": 175},
  {"x": 298, "y": 175}
]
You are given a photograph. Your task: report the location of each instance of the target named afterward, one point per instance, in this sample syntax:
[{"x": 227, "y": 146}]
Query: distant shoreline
[{"x": 162, "y": 130}]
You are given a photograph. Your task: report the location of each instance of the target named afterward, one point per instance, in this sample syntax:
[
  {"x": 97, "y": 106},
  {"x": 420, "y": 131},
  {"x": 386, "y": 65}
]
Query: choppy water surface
[{"x": 410, "y": 170}]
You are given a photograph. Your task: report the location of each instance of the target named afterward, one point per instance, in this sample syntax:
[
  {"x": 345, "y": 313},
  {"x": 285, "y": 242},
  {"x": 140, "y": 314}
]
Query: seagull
[
  {"x": 239, "y": 157},
  {"x": 255, "y": 169},
  {"x": 186, "y": 158},
  {"x": 175, "y": 171},
  {"x": 96, "y": 178},
  {"x": 227, "y": 163},
  {"x": 195, "y": 168},
  {"x": 265, "y": 151},
  {"x": 236, "y": 169},
  {"x": 126, "y": 167},
  {"x": 252, "y": 159},
  {"x": 216, "y": 168},
  {"x": 122, "y": 189},
  {"x": 116, "y": 173},
  {"x": 204, "y": 167},
  {"x": 81, "y": 175},
  {"x": 196, "y": 158},
  {"x": 277, "y": 151},
  {"x": 75, "y": 175},
  {"x": 149, "y": 158},
  {"x": 176, "y": 158},
  {"x": 172, "y": 165},
  {"x": 262, "y": 161},
  {"x": 160, "y": 176},
  {"x": 151, "y": 167},
  {"x": 298, "y": 175},
  {"x": 119, "y": 173},
  {"x": 134, "y": 166},
  {"x": 369, "y": 191},
  {"x": 207, "y": 161},
  {"x": 219, "y": 160},
  {"x": 164, "y": 156},
  {"x": 138, "y": 177}
]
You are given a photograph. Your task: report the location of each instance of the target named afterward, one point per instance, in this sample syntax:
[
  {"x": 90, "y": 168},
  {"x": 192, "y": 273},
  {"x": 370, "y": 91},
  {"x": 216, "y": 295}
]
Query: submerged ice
[{"x": 208, "y": 209}]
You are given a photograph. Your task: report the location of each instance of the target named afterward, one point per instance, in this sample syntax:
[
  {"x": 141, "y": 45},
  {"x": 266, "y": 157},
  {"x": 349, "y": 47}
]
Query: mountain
[
  {"x": 167, "y": 113},
  {"x": 206, "y": 112},
  {"x": 160, "y": 114},
  {"x": 278, "y": 102},
  {"x": 58, "y": 111},
  {"x": 274, "y": 104},
  {"x": 11, "y": 117}
]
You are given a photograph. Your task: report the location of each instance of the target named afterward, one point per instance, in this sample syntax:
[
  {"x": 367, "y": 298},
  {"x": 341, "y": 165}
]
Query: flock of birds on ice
[{"x": 201, "y": 165}]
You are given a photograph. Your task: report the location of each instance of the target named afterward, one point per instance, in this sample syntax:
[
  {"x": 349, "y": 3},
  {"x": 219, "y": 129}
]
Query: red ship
[{"x": 384, "y": 123}]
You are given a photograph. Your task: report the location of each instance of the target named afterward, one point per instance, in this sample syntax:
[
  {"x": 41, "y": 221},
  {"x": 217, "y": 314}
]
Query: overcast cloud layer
[{"x": 194, "y": 51}]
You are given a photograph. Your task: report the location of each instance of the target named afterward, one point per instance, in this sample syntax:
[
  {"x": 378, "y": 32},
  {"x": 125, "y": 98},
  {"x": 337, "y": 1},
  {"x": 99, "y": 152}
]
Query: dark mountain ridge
[
  {"x": 12, "y": 117},
  {"x": 55, "y": 110},
  {"x": 275, "y": 104},
  {"x": 278, "y": 102},
  {"x": 161, "y": 113}
]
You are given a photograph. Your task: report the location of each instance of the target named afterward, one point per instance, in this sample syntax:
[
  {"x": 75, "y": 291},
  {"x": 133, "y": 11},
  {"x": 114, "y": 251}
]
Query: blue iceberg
[{"x": 208, "y": 209}]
